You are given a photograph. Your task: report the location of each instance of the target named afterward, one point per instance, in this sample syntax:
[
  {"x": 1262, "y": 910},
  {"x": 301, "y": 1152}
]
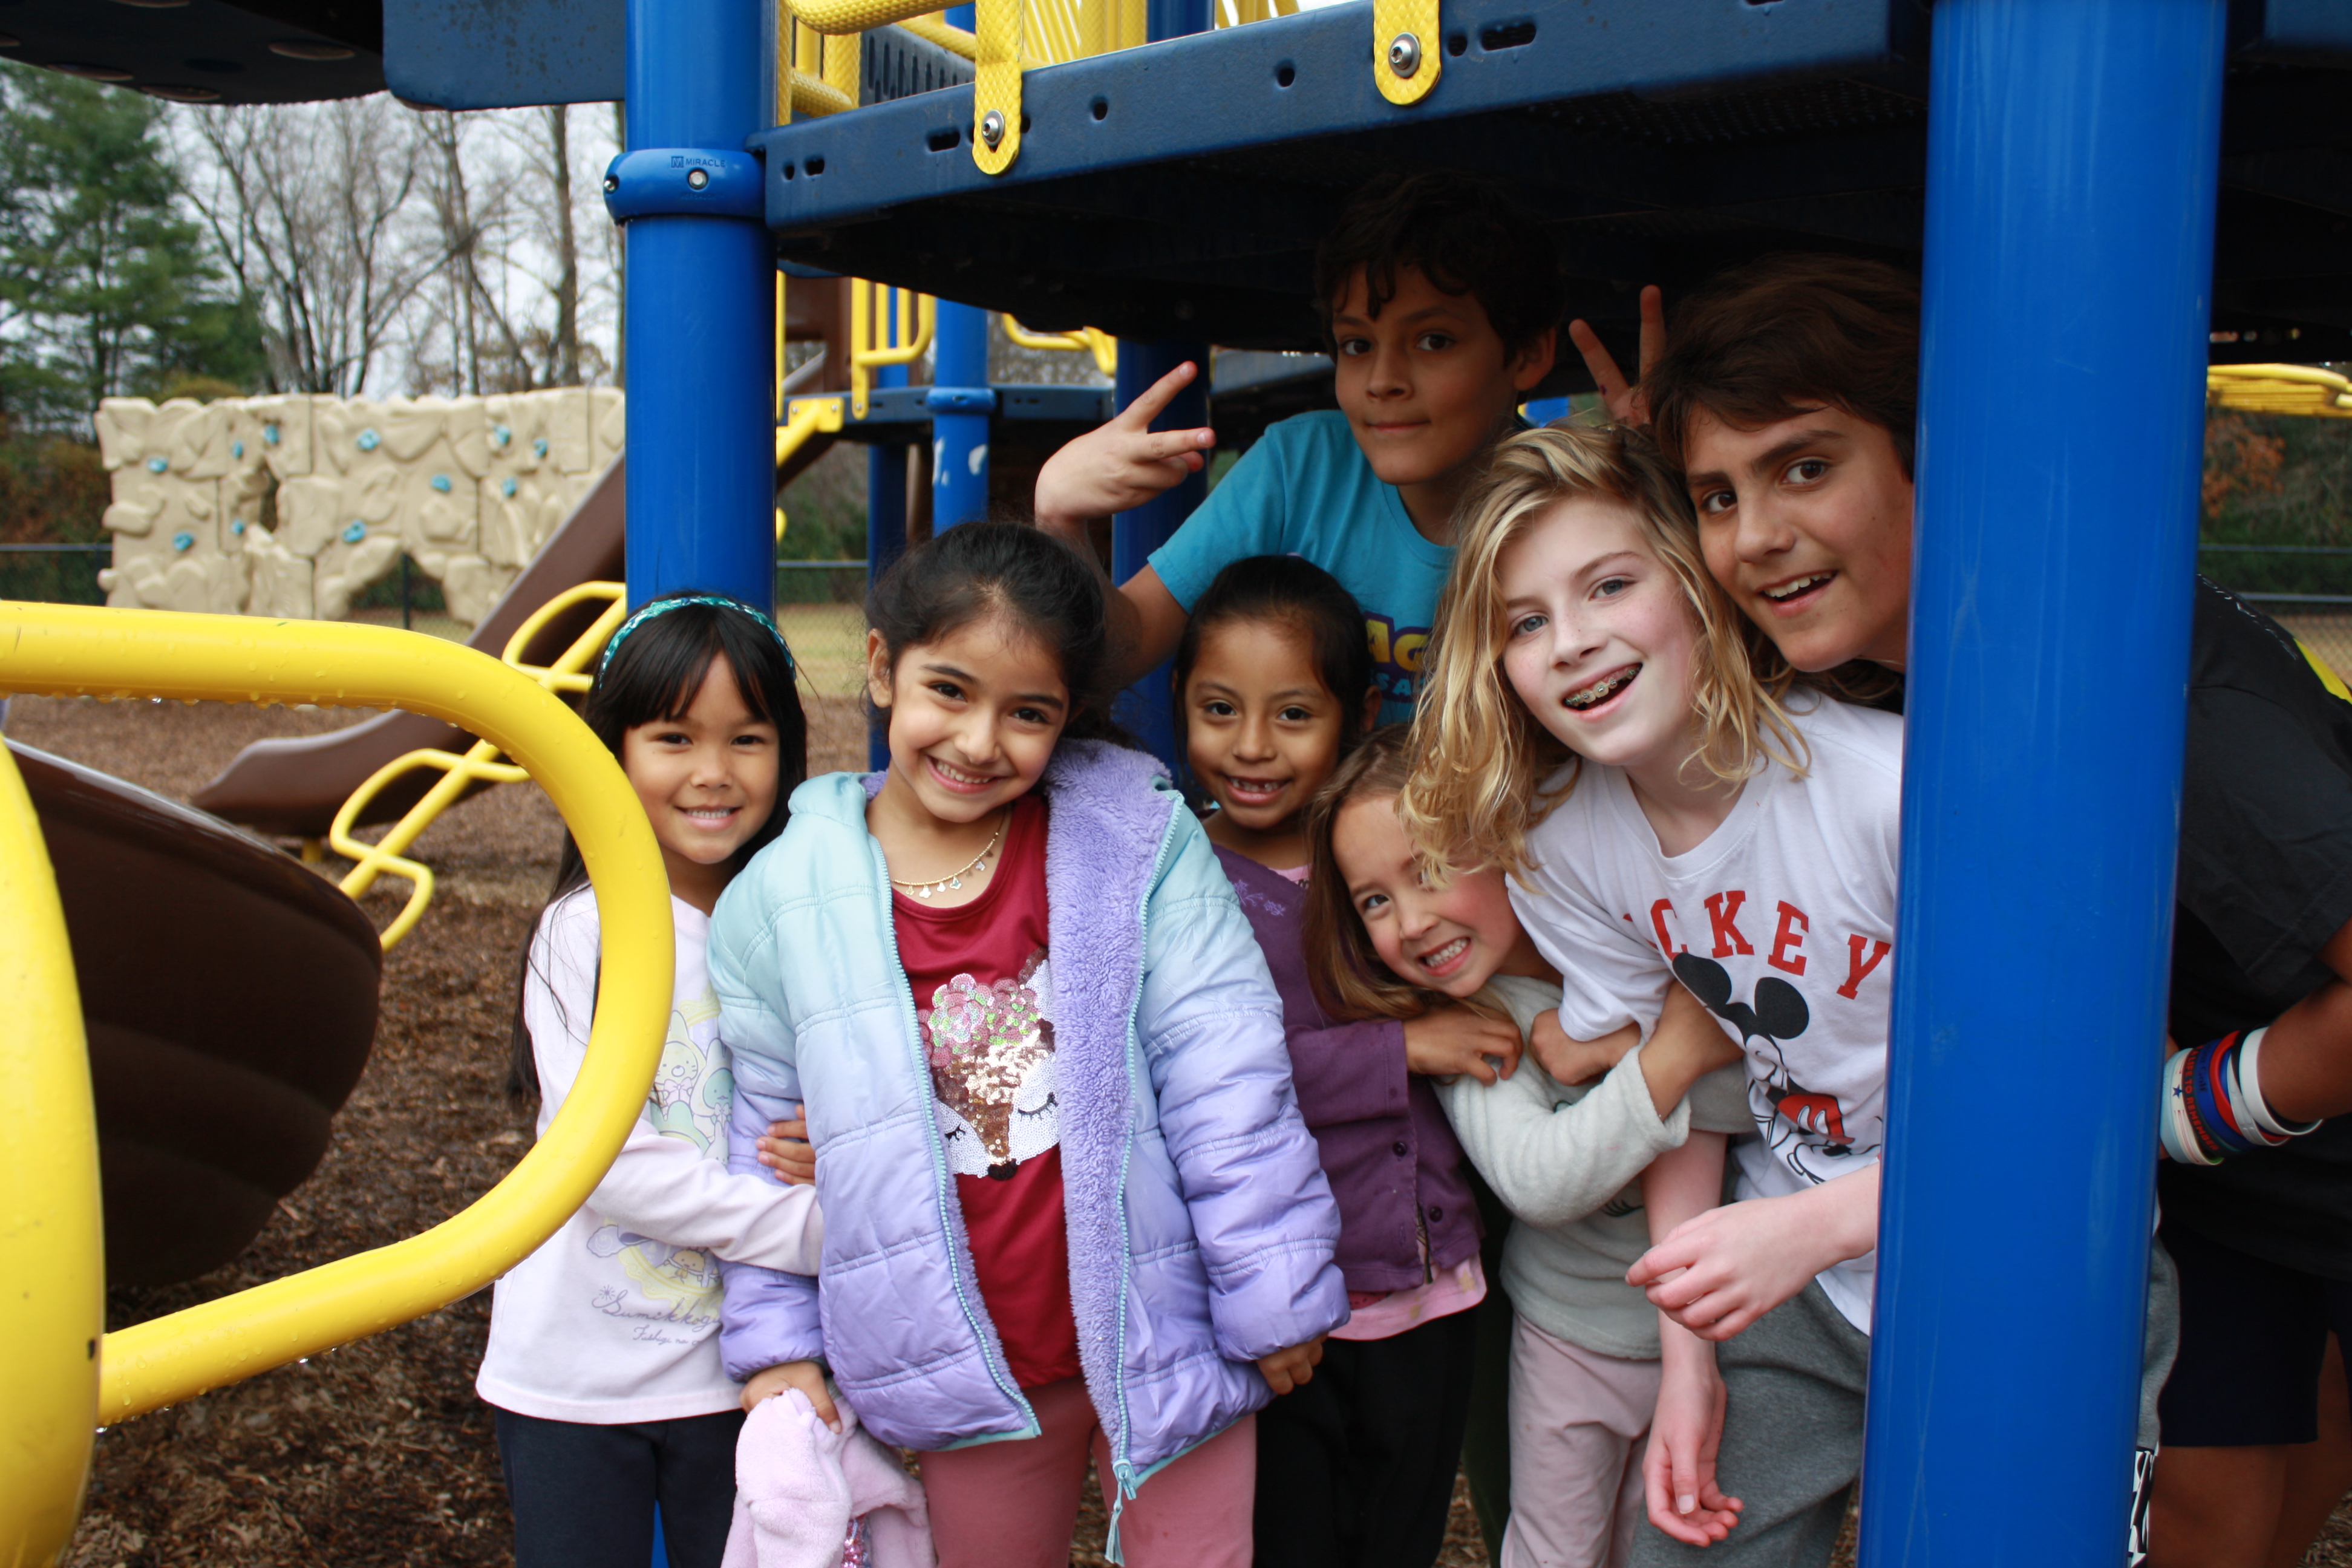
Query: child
[
  {"x": 1735, "y": 834},
  {"x": 1274, "y": 681},
  {"x": 1584, "y": 1352},
  {"x": 1814, "y": 360},
  {"x": 1440, "y": 300},
  {"x": 603, "y": 1363},
  {"x": 1073, "y": 1206}
]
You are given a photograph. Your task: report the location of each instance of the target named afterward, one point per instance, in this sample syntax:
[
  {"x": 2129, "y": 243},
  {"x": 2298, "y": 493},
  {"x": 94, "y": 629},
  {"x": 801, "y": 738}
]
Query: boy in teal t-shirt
[{"x": 1441, "y": 301}]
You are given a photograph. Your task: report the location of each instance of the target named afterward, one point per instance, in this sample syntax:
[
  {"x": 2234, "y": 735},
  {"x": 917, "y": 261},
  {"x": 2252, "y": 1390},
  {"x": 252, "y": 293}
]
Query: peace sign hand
[
  {"x": 1122, "y": 464},
  {"x": 1627, "y": 405}
]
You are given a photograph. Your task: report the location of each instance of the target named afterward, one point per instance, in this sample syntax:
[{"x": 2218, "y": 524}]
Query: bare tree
[
  {"x": 565, "y": 370},
  {"x": 312, "y": 206}
]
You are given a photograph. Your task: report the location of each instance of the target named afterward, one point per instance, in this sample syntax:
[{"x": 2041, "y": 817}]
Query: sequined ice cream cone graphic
[{"x": 986, "y": 1043}]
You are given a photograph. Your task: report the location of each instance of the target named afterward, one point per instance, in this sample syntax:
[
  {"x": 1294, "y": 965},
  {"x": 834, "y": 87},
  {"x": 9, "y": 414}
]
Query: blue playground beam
[
  {"x": 1148, "y": 708},
  {"x": 701, "y": 484},
  {"x": 960, "y": 400},
  {"x": 2074, "y": 151}
]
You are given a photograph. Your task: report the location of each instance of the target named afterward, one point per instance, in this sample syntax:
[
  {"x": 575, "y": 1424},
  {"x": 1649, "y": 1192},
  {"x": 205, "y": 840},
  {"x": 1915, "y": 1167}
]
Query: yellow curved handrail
[
  {"x": 54, "y": 1310},
  {"x": 74, "y": 650},
  {"x": 1085, "y": 340},
  {"x": 2279, "y": 389},
  {"x": 879, "y": 336},
  {"x": 390, "y": 854}
]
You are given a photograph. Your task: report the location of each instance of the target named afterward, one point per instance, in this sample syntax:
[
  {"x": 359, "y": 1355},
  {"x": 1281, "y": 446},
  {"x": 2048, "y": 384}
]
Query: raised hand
[
  {"x": 1122, "y": 464},
  {"x": 1626, "y": 403},
  {"x": 1447, "y": 1041}
]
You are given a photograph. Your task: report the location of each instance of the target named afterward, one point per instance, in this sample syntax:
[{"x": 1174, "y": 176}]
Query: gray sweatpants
[{"x": 1794, "y": 1385}]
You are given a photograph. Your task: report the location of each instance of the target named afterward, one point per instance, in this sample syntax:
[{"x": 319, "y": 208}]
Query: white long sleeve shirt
[
  {"x": 615, "y": 1318},
  {"x": 1566, "y": 1161}
]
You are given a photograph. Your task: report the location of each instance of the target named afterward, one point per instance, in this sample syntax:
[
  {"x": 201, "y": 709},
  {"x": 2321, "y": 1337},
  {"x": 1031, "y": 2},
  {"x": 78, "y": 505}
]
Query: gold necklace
[{"x": 955, "y": 878}]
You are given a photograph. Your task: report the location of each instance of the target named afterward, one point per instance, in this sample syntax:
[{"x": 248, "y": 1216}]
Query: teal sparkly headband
[{"x": 663, "y": 607}]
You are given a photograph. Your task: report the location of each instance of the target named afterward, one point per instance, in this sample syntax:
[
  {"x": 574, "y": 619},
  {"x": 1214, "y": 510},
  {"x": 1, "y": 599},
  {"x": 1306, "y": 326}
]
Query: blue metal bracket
[
  {"x": 682, "y": 181},
  {"x": 960, "y": 399}
]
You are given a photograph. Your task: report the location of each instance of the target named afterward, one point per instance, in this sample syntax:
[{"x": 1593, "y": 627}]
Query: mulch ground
[{"x": 378, "y": 1453}]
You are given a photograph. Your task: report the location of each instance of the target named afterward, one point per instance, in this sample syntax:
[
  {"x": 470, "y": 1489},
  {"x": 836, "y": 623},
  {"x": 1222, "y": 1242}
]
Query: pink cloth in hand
[{"x": 799, "y": 1487}]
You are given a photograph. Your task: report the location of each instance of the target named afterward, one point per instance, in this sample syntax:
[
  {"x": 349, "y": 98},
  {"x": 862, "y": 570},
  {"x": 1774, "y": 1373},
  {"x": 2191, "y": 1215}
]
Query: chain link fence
[
  {"x": 2308, "y": 588},
  {"x": 821, "y": 605}
]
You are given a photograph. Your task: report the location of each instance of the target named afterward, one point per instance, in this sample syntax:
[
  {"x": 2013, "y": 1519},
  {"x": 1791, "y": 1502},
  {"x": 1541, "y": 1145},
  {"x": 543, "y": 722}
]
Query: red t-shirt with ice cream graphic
[{"x": 983, "y": 995}]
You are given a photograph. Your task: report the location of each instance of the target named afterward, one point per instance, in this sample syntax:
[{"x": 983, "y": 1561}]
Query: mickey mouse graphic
[{"x": 1813, "y": 1119}]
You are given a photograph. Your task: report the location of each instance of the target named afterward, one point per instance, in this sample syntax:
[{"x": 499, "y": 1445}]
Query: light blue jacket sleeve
[
  {"x": 767, "y": 1318},
  {"x": 1210, "y": 1025}
]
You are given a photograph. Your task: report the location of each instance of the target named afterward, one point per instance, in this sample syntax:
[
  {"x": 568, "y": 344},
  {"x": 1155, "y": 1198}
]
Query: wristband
[
  {"x": 2264, "y": 1120},
  {"x": 2214, "y": 1106},
  {"x": 2176, "y": 1124}
]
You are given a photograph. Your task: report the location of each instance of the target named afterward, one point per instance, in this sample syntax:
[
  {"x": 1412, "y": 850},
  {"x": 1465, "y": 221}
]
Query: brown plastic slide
[
  {"x": 230, "y": 999},
  {"x": 295, "y": 785}
]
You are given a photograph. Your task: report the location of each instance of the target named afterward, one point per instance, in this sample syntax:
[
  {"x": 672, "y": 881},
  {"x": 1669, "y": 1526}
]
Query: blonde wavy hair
[{"x": 1480, "y": 758}]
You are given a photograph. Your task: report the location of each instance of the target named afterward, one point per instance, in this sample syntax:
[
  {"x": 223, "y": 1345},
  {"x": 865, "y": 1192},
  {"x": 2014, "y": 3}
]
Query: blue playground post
[
  {"x": 885, "y": 513},
  {"x": 701, "y": 309},
  {"x": 1147, "y": 708},
  {"x": 2073, "y": 161},
  {"x": 960, "y": 400}
]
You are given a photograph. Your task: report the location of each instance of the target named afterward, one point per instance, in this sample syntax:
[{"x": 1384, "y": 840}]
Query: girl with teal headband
[{"x": 602, "y": 1364}]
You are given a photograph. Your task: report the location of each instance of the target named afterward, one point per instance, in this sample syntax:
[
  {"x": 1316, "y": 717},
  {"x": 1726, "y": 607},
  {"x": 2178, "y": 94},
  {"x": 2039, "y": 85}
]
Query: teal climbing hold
[
  {"x": 356, "y": 533},
  {"x": 441, "y": 483},
  {"x": 370, "y": 440},
  {"x": 501, "y": 435},
  {"x": 506, "y": 487},
  {"x": 156, "y": 465},
  {"x": 540, "y": 446},
  {"x": 238, "y": 526},
  {"x": 237, "y": 449},
  {"x": 184, "y": 540},
  {"x": 269, "y": 435}
]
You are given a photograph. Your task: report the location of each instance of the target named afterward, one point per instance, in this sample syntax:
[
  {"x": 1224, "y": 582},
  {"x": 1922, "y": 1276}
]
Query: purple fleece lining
[{"x": 1103, "y": 809}]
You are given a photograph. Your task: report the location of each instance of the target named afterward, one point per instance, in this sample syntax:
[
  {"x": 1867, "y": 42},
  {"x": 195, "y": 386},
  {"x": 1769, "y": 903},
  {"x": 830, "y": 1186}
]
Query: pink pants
[
  {"x": 1015, "y": 1504},
  {"x": 1580, "y": 1422}
]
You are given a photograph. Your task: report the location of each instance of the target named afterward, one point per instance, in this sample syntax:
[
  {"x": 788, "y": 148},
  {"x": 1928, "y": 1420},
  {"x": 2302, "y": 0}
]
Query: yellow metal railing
[
  {"x": 1085, "y": 340},
  {"x": 480, "y": 762},
  {"x": 53, "y": 1311},
  {"x": 58, "y": 1385},
  {"x": 879, "y": 335},
  {"x": 819, "y": 76},
  {"x": 2279, "y": 389}
]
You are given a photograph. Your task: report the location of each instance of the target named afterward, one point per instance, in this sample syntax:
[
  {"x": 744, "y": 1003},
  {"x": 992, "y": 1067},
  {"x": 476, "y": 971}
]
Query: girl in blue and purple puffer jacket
[{"x": 1069, "y": 1201}]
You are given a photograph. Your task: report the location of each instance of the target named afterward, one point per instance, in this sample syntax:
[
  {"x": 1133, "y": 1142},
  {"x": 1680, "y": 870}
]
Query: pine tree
[{"x": 106, "y": 288}]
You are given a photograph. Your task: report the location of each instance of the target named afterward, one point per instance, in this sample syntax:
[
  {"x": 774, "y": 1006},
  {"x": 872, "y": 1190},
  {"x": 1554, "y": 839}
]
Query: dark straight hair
[
  {"x": 653, "y": 676},
  {"x": 1300, "y": 596},
  {"x": 1013, "y": 570}
]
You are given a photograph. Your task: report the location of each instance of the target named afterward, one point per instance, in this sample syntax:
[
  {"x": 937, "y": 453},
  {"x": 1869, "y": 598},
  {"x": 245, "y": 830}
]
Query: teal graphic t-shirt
[{"x": 1305, "y": 489}]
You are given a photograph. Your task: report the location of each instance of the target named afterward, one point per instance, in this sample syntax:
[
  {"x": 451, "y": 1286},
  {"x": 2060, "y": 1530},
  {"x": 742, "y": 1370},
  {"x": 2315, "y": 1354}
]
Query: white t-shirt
[
  {"x": 615, "y": 1318},
  {"x": 1782, "y": 921}
]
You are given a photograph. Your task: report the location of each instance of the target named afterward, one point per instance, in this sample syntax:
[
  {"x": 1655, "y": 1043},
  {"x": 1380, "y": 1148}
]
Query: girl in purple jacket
[{"x": 1274, "y": 680}]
